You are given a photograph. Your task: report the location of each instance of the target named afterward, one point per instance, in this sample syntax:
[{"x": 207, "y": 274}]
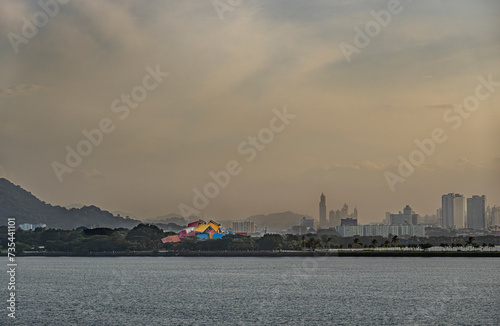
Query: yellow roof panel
[
  {"x": 214, "y": 226},
  {"x": 201, "y": 228}
]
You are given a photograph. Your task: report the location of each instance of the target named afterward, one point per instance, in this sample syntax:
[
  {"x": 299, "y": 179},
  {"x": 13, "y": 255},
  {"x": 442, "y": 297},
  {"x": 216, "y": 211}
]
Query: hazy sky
[{"x": 353, "y": 119}]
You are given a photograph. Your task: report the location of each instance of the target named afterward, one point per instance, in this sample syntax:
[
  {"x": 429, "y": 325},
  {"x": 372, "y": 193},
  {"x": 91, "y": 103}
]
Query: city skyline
[
  {"x": 141, "y": 108},
  {"x": 456, "y": 212}
]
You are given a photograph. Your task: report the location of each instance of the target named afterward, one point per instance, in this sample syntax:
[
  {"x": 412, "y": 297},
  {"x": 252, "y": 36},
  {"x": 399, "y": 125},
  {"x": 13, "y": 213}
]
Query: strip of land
[{"x": 263, "y": 253}]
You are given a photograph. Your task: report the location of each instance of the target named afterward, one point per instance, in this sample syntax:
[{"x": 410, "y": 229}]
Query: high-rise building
[
  {"x": 408, "y": 217},
  {"x": 345, "y": 211},
  {"x": 495, "y": 216},
  {"x": 335, "y": 217},
  {"x": 322, "y": 211},
  {"x": 338, "y": 217},
  {"x": 489, "y": 222},
  {"x": 308, "y": 222},
  {"x": 348, "y": 221},
  {"x": 453, "y": 211},
  {"x": 244, "y": 226},
  {"x": 387, "y": 219},
  {"x": 476, "y": 212}
]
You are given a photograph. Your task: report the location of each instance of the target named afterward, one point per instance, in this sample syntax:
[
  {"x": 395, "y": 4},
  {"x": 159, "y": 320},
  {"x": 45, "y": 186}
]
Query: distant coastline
[{"x": 307, "y": 253}]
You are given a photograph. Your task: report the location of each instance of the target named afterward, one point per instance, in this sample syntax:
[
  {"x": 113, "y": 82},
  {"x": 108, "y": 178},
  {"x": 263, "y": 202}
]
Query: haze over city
[{"x": 228, "y": 75}]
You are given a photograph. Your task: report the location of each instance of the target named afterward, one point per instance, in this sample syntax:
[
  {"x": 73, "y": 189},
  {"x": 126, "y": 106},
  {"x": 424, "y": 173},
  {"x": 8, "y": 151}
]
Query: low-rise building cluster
[{"x": 199, "y": 229}]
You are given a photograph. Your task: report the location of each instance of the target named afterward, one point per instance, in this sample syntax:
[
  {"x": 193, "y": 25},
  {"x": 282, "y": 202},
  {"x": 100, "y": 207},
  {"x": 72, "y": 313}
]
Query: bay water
[{"x": 255, "y": 291}]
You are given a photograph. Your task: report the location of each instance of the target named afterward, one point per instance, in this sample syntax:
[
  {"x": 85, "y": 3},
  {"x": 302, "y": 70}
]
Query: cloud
[
  {"x": 439, "y": 106},
  {"x": 94, "y": 174},
  {"x": 369, "y": 165},
  {"x": 20, "y": 90},
  {"x": 464, "y": 161},
  {"x": 365, "y": 165},
  {"x": 335, "y": 166},
  {"x": 226, "y": 76}
]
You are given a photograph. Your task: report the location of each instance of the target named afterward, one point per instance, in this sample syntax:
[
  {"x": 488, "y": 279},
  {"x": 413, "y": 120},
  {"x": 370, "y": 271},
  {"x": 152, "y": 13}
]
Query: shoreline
[{"x": 343, "y": 253}]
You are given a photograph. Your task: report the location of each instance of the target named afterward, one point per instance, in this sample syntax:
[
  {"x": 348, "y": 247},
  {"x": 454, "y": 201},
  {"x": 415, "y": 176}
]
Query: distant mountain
[
  {"x": 170, "y": 226},
  {"x": 125, "y": 214},
  {"x": 277, "y": 221},
  {"x": 172, "y": 218},
  {"x": 19, "y": 203},
  {"x": 74, "y": 206}
]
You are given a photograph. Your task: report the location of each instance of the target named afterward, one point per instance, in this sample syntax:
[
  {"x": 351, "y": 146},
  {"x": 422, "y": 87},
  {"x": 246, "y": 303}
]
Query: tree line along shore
[{"x": 145, "y": 240}]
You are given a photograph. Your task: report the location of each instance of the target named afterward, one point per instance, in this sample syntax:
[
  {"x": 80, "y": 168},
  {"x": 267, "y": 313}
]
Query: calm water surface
[{"x": 256, "y": 291}]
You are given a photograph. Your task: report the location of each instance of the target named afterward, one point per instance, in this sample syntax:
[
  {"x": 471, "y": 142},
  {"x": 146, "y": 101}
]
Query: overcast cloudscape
[{"x": 353, "y": 119}]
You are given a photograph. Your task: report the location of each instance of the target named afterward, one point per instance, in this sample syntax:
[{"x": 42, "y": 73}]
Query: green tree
[
  {"x": 412, "y": 246},
  {"x": 469, "y": 242},
  {"x": 425, "y": 246},
  {"x": 270, "y": 242},
  {"x": 444, "y": 245},
  {"x": 21, "y": 247},
  {"x": 313, "y": 243},
  {"x": 147, "y": 236},
  {"x": 98, "y": 231}
]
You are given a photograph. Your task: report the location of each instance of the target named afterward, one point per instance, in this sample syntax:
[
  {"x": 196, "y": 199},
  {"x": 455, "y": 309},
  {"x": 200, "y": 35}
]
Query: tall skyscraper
[
  {"x": 476, "y": 212},
  {"x": 495, "y": 216},
  {"x": 345, "y": 211},
  {"x": 489, "y": 221},
  {"x": 322, "y": 211},
  {"x": 331, "y": 218},
  {"x": 453, "y": 211}
]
